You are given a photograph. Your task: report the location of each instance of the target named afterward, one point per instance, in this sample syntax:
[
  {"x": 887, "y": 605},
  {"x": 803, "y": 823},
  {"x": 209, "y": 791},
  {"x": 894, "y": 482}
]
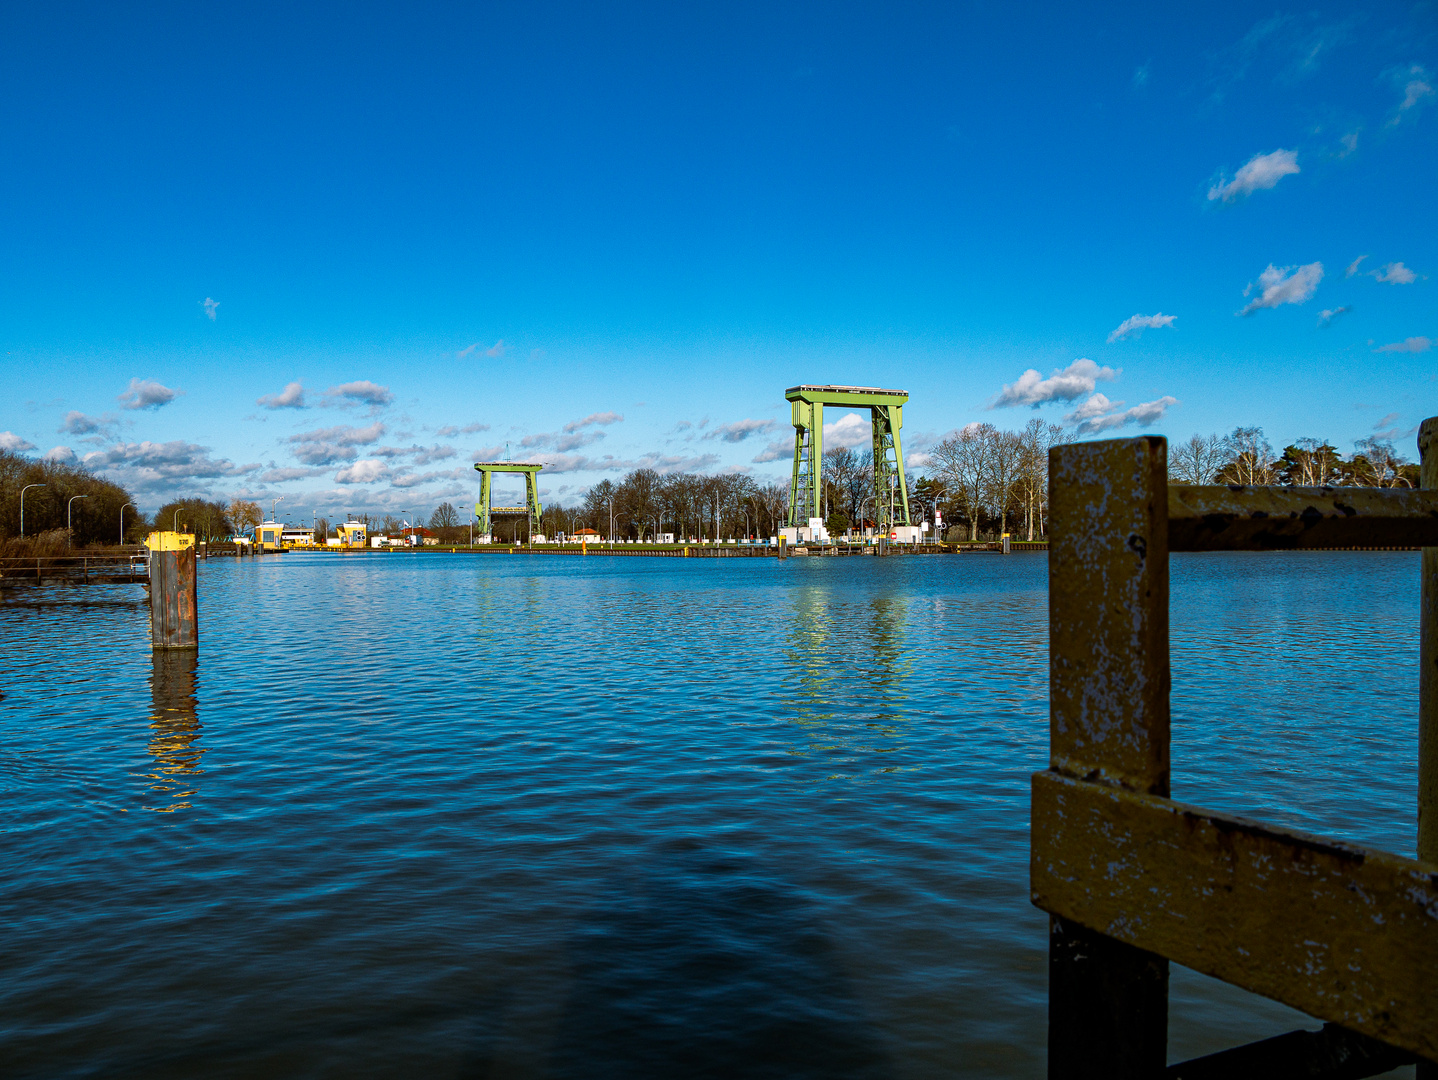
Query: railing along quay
[
  {"x": 1132, "y": 879},
  {"x": 104, "y": 567}
]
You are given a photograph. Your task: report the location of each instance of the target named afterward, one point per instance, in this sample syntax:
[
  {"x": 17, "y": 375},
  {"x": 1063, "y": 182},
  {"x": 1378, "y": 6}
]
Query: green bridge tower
[
  {"x": 886, "y": 411},
  {"x": 531, "y": 509}
]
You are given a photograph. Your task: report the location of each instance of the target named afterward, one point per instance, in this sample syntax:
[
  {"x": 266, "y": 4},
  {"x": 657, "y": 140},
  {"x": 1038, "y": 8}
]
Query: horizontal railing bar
[
  {"x": 1216, "y": 518},
  {"x": 1342, "y": 932},
  {"x": 1333, "y": 1052}
]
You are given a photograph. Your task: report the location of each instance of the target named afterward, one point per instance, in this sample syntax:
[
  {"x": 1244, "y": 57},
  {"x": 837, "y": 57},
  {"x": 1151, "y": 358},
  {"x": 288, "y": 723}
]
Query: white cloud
[
  {"x": 599, "y": 419},
  {"x": 496, "y": 350},
  {"x": 1417, "y": 86},
  {"x": 77, "y": 423},
  {"x": 450, "y": 430},
  {"x": 1068, "y": 384},
  {"x": 146, "y": 394},
  {"x": 1395, "y": 273},
  {"x": 741, "y": 430},
  {"x": 1350, "y": 144},
  {"x": 1135, "y": 325},
  {"x": 1327, "y": 316},
  {"x": 1408, "y": 345},
  {"x": 151, "y": 466},
  {"x": 1289, "y": 285},
  {"x": 60, "y": 455},
  {"x": 363, "y": 392},
  {"x": 777, "y": 450},
  {"x": 328, "y": 446},
  {"x": 1146, "y": 413},
  {"x": 210, "y": 306},
  {"x": 850, "y": 430},
  {"x": 14, "y": 443},
  {"x": 281, "y": 476},
  {"x": 363, "y": 472},
  {"x": 291, "y": 397},
  {"x": 1263, "y": 171},
  {"x": 1098, "y": 405},
  {"x": 1353, "y": 266}
]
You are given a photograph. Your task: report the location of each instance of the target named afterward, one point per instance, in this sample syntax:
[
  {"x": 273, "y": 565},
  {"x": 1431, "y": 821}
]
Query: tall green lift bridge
[
  {"x": 531, "y": 509},
  {"x": 886, "y": 411}
]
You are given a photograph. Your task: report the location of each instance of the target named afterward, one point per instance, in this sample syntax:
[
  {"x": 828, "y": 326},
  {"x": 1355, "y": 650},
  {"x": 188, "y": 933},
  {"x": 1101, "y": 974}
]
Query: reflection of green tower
[
  {"x": 484, "y": 511},
  {"x": 886, "y": 412}
]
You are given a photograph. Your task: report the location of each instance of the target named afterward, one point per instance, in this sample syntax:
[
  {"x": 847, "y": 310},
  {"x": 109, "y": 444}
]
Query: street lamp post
[
  {"x": 122, "y": 521},
  {"x": 24, "y": 489},
  {"x": 175, "y": 521},
  {"x": 69, "y": 536},
  {"x": 273, "y": 504}
]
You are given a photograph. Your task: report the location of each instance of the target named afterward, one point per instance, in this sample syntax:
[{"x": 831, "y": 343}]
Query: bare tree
[
  {"x": 963, "y": 462},
  {"x": 1377, "y": 464},
  {"x": 1196, "y": 461},
  {"x": 1249, "y": 458},
  {"x": 1005, "y": 460},
  {"x": 244, "y": 515}
]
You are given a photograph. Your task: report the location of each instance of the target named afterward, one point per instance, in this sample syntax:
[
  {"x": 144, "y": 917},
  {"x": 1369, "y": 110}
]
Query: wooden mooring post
[
  {"x": 1132, "y": 879},
  {"x": 174, "y": 610}
]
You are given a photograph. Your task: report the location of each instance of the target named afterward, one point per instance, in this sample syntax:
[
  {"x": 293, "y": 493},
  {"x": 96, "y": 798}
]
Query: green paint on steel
[
  {"x": 886, "y": 413},
  {"x": 484, "y": 510}
]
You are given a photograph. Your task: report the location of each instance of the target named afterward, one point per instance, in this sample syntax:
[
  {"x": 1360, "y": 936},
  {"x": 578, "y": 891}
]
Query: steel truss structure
[
  {"x": 886, "y": 410},
  {"x": 484, "y": 511}
]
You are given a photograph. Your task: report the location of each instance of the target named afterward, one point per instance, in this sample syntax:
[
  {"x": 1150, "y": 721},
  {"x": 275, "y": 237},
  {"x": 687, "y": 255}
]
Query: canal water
[{"x": 495, "y": 816}]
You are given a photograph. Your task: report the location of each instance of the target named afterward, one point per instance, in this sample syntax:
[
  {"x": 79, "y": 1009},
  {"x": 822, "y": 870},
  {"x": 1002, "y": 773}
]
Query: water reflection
[
  {"x": 174, "y": 726},
  {"x": 850, "y": 670}
]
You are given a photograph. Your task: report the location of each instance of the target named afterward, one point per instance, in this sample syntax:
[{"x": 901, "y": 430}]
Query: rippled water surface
[{"x": 559, "y": 817}]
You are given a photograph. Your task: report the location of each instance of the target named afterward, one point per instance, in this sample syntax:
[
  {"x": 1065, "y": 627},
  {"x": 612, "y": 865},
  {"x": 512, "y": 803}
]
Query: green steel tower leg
[
  {"x": 891, "y": 491},
  {"x": 481, "y": 509},
  {"x": 531, "y": 486},
  {"x": 805, "y": 489}
]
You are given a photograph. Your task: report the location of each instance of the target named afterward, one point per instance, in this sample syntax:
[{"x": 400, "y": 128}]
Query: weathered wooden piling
[
  {"x": 1133, "y": 880},
  {"x": 174, "y": 610}
]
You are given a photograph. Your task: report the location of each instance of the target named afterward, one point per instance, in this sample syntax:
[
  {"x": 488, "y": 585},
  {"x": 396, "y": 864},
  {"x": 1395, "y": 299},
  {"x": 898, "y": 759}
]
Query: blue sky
[{"x": 610, "y": 236}]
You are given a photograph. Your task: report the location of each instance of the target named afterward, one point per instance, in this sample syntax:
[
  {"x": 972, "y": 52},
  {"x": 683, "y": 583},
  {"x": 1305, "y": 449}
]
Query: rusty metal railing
[{"x": 1132, "y": 879}]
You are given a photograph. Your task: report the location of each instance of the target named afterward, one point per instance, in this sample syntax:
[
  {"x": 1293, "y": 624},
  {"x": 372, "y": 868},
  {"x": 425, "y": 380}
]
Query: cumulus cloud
[
  {"x": 77, "y": 423},
  {"x": 1135, "y": 325},
  {"x": 1263, "y": 171},
  {"x": 1408, "y": 345},
  {"x": 418, "y": 455},
  {"x": 367, "y": 471},
  {"x": 777, "y": 450},
  {"x": 211, "y": 307},
  {"x": 599, "y": 419},
  {"x": 146, "y": 394},
  {"x": 1096, "y": 406},
  {"x": 280, "y": 476},
  {"x": 1067, "y": 384},
  {"x": 14, "y": 443},
  {"x": 1327, "y": 316},
  {"x": 329, "y": 446},
  {"x": 1353, "y": 266},
  {"x": 849, "y": 430},
  {"x": 362, "y": 392},
  {"x": 291, "y": 397},
  {"x": 150, "y": 465},
  {"x": 60, "y": 455},
  {"x": 1146, "y": 413},
  {"x": 1394, "y": 273},
  {"x": 449, "y": 431},
  {"x": 1289, "y": 285},
  {"x": 741, "y": 430}
]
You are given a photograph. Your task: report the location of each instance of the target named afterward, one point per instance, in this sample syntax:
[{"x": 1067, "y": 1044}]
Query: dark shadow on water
[{"x": 698, "y": 966}]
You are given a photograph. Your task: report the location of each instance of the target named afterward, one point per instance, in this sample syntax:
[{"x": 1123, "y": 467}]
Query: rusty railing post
[
  {"x": 174, "y": 616},
  {"x": 1108, "y": 723}
]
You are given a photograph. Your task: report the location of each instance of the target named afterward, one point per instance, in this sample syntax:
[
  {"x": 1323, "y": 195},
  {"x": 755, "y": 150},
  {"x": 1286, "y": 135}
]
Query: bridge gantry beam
[
  {"x": 484, "y": 510},
  {"x": 886, "y": 416}
]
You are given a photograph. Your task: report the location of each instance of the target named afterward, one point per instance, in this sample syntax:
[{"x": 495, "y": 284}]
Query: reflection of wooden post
[
  {"x": 1428, "y": 684},
  {"x": 1108, "y": 692},
  {"x": 174, "y": 615}
]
